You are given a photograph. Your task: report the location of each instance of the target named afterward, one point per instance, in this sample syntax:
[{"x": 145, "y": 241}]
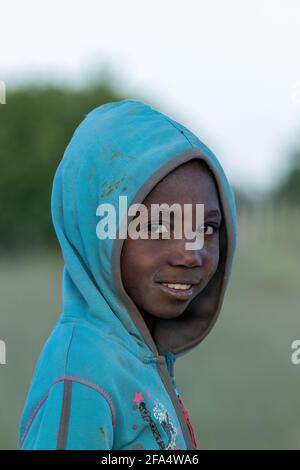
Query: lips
[
  {"x": 177, "y": 286},
  {"x": 179, "y": 281},
  {"x": 180, "y": 294}
]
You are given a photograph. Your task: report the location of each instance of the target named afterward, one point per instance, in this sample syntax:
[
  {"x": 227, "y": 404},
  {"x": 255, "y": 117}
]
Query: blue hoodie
[{"x": 102, "y": 380}]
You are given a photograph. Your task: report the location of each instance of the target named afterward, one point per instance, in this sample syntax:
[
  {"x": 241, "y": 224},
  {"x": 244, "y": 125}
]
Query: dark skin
[{"x": 145, "y": 263}]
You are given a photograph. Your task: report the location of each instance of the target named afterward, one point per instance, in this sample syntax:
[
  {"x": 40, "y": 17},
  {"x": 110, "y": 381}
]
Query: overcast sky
[{"x": 229, "y": 70}]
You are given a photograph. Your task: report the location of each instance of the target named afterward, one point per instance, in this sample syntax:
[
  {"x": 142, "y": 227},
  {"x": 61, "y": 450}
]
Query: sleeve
[{"x": 74, "y": 416}]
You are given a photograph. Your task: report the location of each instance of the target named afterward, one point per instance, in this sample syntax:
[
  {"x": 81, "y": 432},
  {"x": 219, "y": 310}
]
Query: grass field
[{"x": 240, "y": 387}]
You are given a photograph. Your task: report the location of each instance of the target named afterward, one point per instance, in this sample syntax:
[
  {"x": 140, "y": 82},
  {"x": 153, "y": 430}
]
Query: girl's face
[{"x": 147, "y": 263}]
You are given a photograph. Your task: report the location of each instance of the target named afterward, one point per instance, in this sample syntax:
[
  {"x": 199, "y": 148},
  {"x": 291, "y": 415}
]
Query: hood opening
[{"x": 189, "y": 329}]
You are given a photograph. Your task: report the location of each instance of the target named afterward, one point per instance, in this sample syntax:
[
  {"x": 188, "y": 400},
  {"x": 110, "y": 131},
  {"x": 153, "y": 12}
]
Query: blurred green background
[{"x": 240, "y": 386}]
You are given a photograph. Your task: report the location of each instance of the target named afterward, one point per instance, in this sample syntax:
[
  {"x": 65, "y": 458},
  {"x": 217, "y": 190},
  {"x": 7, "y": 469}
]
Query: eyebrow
[{"x": 214, "y": 213}]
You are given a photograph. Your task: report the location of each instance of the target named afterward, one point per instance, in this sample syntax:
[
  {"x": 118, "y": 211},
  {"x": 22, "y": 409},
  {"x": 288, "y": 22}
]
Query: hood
[{"x": 125, "y": 148}]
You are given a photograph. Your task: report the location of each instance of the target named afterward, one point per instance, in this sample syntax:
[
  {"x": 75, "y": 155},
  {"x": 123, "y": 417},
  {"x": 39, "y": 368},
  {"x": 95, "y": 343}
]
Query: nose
[{"x": 181, "y": 256}]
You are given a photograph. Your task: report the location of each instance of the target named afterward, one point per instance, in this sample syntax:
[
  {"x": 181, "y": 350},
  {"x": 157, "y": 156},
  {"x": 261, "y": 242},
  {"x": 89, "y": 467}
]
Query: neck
[{"x": 149, "y": 319}]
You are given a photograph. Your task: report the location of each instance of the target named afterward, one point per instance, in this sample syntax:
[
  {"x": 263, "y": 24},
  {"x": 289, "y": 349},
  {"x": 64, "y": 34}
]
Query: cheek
[
  {"x": 137, "y": 263},
  {"x": 213, "y": 261}
]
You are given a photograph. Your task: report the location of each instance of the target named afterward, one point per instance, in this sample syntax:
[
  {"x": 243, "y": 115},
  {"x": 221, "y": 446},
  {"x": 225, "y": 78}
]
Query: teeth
[{"x": 178, "y": 286}]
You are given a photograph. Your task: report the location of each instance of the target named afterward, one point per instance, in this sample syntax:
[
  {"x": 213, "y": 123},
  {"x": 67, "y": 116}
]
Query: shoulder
[{"x": 83, "y": 349}]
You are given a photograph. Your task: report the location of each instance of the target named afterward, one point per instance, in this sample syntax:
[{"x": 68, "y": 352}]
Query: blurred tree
[
  {"x": 243, "y": 201},
  {"x": 36, "y": 125},
  {"x": 288, "y": 190}
]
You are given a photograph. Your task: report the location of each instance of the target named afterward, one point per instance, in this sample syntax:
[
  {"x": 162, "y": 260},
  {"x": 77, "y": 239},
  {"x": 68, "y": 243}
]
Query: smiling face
[{"x": 147, "y": 264}]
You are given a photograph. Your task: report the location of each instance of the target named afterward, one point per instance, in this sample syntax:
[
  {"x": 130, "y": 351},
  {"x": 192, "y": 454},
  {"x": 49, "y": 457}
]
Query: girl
[{"x": 105, "y": 378}]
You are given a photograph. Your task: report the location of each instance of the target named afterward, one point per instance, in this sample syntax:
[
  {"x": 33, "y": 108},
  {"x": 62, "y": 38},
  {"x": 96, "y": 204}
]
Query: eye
[
  {"x": 213, "y": 229},
  {"x": 157, "y": 229}
]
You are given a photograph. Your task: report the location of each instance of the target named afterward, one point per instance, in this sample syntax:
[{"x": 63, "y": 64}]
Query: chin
[{"x": 168, "y": 315}]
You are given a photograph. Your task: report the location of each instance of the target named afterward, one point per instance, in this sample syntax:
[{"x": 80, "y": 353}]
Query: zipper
[
  {"x": 170, "y": 359},
  {"x": 188, "y": 422}
]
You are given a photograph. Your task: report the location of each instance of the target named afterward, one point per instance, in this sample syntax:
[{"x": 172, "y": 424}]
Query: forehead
[{"x": 191, "y": 183}]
